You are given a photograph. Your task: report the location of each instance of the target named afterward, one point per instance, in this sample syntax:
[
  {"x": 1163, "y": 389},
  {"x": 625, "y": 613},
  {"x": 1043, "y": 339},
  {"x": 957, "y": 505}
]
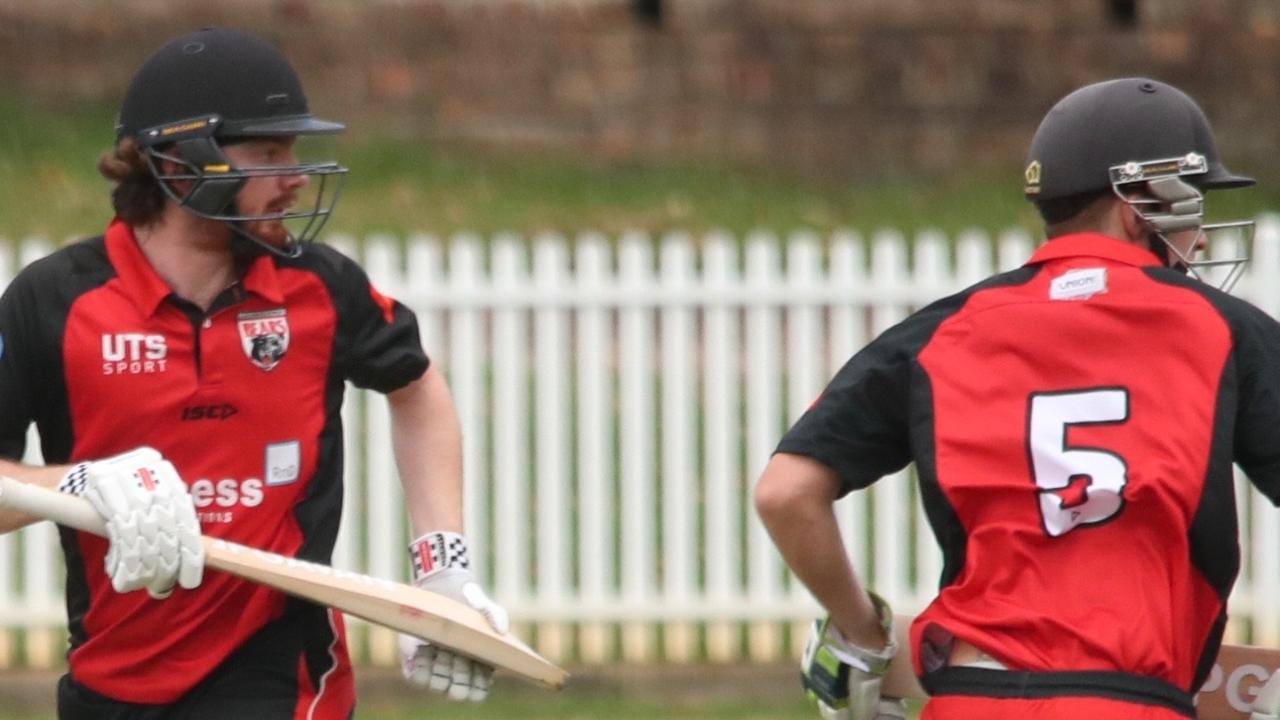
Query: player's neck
[{"x": 191, "y": 254}]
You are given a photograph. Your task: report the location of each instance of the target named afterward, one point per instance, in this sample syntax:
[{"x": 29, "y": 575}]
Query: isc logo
[
  {"x": 133, "y": 354},
  {"x": 209, "y": 412}
]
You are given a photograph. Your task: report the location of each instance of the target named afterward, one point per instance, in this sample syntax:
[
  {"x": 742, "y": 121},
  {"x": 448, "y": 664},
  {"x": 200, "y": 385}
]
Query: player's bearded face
[
  {"x": 272, "y": 231},
  {"x": 266, "y": 195}
]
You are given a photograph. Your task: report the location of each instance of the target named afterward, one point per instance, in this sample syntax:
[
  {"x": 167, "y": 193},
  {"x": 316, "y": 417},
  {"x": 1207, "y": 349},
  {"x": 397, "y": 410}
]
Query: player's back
[{"x": 1075, "y": 443}]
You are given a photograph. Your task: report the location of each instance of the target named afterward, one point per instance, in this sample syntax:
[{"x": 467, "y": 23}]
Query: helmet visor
[{"x": 274, "y": 127}]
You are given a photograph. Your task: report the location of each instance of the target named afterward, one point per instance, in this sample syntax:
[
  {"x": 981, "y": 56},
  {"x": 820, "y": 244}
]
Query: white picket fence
[{"x": 618, "y": 398}]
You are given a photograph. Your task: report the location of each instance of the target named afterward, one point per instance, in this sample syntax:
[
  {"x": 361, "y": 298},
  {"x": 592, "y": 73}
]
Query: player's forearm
[
  {"x": 794, "y": 498},
  {"x": 427, "y": 441},
  {"x": 45, "y": 476}
]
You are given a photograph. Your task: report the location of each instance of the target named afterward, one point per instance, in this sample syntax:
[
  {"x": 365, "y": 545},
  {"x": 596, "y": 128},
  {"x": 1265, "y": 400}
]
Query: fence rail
[{"x": 618, "y": 396}]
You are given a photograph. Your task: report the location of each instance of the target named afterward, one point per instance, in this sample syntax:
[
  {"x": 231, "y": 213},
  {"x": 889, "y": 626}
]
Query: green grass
[
  {"x": 701, "y": 692},
  {"x": 787, "y": 706},
  {"x": 400, "y": 183}
]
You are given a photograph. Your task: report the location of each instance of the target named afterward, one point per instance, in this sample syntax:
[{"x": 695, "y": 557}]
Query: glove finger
[
  {"x": 168, "y": 483},
  {"x": 124, "y": 563},
  {"x": 191, "y": 567},
  {"x": 142, "y": 455},
  {"x": 441, "y": 670},
  {"x": 161, "y": 593},
  {"x": 190, "y": 545},
  {"x": 415, "y": 662},
  {"x": 891, "y": 709},
  {"x": 829, "y": 713},
  {"x": 128, "y": 577},
  {"x": 460, "y": 688},
  {"x": 107, "y": 497},
  {"x": 498, "y": 618},
  {"x": 492, "y": 611},
  {"x": 481, "y": 679}
]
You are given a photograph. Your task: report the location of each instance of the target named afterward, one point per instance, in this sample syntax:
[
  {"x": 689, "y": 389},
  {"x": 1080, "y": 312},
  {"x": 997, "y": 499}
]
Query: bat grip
[{"x": 61, "y": 508}]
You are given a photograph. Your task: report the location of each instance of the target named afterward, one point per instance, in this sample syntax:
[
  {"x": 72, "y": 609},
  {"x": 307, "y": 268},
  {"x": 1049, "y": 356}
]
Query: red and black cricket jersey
[
  {"x": 1073, "y": 424},
  {"x": 243, "y": 399}
]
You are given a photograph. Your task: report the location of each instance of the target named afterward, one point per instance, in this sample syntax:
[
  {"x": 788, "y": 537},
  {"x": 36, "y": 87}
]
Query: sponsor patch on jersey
[
  {"x": 283, "y": 460},
  {"x": 1078, "y": 284},
  {"x": 264, "y": 336},
  {"x": 134, "y": 354}
]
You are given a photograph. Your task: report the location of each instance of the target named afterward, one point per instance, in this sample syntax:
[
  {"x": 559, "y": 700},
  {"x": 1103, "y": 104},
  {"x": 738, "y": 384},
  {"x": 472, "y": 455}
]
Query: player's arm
[
  {"x": 427, "y": 440},
  {"x": 48, "y": 476},
  {"x": 848, "y": 652},
  {"x": 794, "y": 498}
]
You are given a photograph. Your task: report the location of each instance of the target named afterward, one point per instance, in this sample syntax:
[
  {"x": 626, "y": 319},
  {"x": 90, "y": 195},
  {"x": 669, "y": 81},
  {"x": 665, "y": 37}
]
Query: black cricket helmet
[
  {"x": 1145, "y": 141},
  {"x": 214, "y": 87}
]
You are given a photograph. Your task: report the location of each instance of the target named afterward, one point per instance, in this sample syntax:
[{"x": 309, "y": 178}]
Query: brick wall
[{"x": 844, "y": 86}]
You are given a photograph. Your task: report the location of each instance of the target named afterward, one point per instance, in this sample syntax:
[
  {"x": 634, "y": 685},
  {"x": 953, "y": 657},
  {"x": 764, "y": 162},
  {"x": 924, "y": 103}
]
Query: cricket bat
[
  {"x": 1228, "y": 694},
  {"x": 401, "y": 607}
]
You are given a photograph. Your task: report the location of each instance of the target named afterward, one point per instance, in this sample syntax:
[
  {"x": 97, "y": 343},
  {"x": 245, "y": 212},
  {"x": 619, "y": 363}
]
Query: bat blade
[
  {"x": 1238, "y": 674},
  {"x": 401, "y": 607}
]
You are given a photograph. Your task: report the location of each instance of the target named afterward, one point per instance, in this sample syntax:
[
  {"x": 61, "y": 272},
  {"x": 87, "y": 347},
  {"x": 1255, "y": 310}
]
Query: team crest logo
[{"x": 264, "y": 336}]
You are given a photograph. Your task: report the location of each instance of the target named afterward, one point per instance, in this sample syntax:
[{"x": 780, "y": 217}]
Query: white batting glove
[
  {"x": 151, "y": 520},
  {"x": 1267, "y": 705},
  {"x": 441, "y": 564},
  {"x": 842, "y": 679}
]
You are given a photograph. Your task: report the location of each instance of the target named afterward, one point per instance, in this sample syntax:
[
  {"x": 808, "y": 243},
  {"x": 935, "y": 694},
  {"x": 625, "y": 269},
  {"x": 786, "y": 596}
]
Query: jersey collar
[
  {"x": 1094, "y": 245},
  {"x": 148, "y": 290}
]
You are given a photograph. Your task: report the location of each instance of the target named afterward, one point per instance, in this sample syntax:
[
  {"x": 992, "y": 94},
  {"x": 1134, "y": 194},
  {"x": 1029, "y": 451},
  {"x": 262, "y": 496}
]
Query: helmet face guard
[
  {"x": 1167, "y": 204},
  {"x": 213, "y": 183},
  {"x": 217, "y": 86}
]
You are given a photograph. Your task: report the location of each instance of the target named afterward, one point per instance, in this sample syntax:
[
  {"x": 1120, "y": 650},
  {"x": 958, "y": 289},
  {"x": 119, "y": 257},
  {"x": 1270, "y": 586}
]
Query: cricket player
[
  {"x": 1073, "y": 424},
  {"x": 186, "y": 370}
]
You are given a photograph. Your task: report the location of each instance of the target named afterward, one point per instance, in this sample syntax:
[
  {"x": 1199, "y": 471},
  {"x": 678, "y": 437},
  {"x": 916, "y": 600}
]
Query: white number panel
[{"x": 1078, "y": 485}]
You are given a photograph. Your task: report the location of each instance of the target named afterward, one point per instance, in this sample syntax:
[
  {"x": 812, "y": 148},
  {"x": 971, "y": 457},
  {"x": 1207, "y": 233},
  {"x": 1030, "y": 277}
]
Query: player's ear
[{"x": 1125, "y": 219}]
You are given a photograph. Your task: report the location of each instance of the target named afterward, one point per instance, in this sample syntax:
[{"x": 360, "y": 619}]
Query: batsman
[
  {"x": 186, "y": 371},
  {"x": 1073, "y": 425}
]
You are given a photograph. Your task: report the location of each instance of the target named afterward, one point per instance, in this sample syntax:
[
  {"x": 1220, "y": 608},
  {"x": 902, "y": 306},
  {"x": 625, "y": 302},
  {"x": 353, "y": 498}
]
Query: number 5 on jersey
[{"x": 1077, "y": 485}]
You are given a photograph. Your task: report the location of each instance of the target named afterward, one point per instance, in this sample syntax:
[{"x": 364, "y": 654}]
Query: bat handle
[{"x": 59, "y": 507}]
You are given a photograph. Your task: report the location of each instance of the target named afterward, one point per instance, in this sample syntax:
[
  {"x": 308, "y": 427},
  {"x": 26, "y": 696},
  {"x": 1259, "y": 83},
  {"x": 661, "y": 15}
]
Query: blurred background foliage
[{"x": 401, "y": 184}]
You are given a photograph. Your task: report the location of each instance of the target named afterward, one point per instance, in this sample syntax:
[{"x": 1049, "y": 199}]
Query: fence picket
[
  {"x": 510, "y": 428},
  {"x": 679, "y": 559},
  {"x": 595, "y": 422},
  {"x": 764, "y": 424},
  {"x": 721, "y": 386},
  {"x": 551, "y": 386},
  {"x": 636, "y": 441}
]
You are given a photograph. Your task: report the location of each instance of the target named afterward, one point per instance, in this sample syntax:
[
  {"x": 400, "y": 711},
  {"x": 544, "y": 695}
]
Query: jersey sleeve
[
  {"x": 20, "y": 367},
  {"x": 378, "y": 343},
  {"x": 858, "y": 426},
  {"x": 1257, "y": 428}
]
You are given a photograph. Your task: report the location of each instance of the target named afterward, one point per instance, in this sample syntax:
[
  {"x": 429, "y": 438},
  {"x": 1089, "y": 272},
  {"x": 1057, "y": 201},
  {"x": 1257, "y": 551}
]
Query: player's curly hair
[{"x": 137, "y": 196}]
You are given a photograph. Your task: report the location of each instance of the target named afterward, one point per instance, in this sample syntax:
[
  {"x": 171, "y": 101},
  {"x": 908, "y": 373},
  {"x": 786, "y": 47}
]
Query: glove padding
[
  {"x": 150, "y": 517},
  {"x": 1266, "y": 706},
  {"x": 842, "y": 679},
  {"x": 441, "y": 565}
]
